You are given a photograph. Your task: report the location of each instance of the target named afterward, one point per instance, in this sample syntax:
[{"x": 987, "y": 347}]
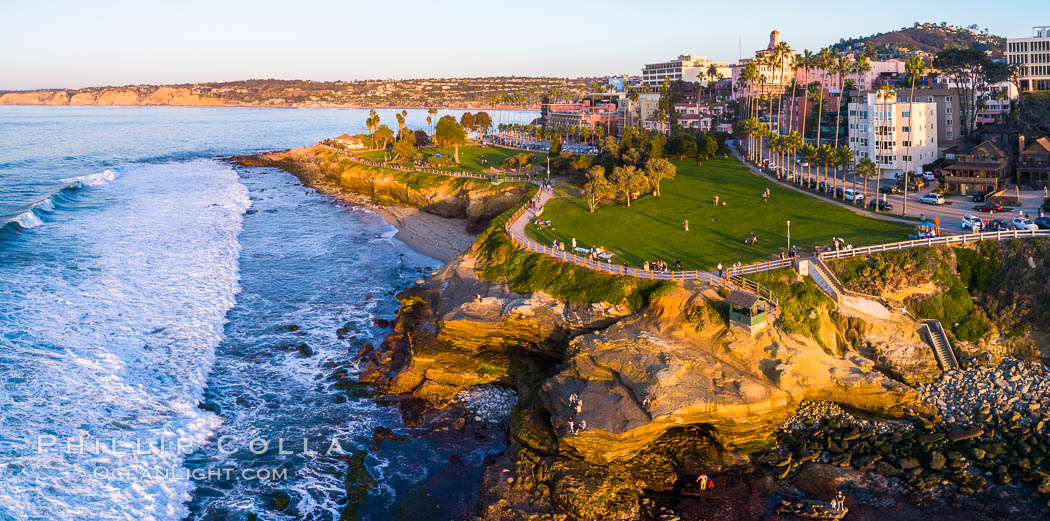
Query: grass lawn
[
  {"x": 651, "y": 228},
  {"x": 470, "y": 156}
]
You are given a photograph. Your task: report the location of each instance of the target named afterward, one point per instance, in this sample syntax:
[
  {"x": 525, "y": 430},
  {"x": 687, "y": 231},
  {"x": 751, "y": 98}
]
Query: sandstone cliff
[
  {"x": 136, "y": 95},
  {"x": 327, "y": 169}
]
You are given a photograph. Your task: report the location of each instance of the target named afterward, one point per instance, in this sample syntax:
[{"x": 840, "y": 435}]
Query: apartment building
[
  {"x": 1033, "y": 55},
  {"x": 689, "y": 68},
  {"x": 883, "y": 132},
  {"x": 947, "y": 111}
]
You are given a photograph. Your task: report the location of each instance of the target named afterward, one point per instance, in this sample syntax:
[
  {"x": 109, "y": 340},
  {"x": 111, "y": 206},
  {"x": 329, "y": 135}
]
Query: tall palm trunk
[{"x": 911, "y": 132}]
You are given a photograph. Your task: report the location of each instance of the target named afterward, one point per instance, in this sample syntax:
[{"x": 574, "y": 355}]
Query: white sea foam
[
  {"x": 98, "y": 179},
  {"x": 120, "y": 347},
  {"x": 28, "y": 220}
]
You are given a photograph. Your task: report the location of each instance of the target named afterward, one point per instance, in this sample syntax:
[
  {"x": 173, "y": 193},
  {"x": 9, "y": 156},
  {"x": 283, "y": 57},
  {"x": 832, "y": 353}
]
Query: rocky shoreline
[{"x": 612, "y": 413}]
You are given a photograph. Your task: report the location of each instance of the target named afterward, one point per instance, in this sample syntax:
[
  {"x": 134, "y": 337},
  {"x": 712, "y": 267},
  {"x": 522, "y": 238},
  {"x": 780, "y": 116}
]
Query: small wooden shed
[{"x": 747, "y": 310}]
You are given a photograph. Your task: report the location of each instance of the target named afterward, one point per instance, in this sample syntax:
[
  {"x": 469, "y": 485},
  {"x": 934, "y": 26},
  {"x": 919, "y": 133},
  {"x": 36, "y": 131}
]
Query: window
[
  {"x": 905, "y": 143},
  {"x": 905, "y": 114},
  {"x": 947, "y": 122},
  {"x": 947, "y": 99},
  {"x": 930, "y": 99},
  {"x": 906, "y": 129},
  {"x": 947, "y": 110},
  {"x": 949, "y": 133}
]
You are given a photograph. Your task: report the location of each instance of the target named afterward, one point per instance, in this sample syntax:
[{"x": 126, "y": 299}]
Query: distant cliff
[
  {"x": 113, "y": 96},
  {"x": 512, "y": 93}
]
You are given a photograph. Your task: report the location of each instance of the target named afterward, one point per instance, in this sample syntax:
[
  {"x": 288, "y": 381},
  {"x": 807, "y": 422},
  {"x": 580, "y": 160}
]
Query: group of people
[
  {"x": 839, "y": 501},
  {"x": 576, "y": 404},
  {"x": 547, "y": 185},
  {"x": 838, "y": 244},
  {"x": 790, "y": 254},
  {"x": 660, "y": 265},
  {"x": 765, "y": 195}
]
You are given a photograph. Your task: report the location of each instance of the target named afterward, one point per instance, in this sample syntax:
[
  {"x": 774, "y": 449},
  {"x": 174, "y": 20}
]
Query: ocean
[{"x": 172, "y": 326}]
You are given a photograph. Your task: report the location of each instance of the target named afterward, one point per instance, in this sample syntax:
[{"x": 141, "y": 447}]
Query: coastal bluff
[
  {"x": 114, "y": 96},
  {"x": 327, "y": 169}
]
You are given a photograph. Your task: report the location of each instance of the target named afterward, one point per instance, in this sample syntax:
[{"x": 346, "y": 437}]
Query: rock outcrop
[{"x": 327, "y": 169}]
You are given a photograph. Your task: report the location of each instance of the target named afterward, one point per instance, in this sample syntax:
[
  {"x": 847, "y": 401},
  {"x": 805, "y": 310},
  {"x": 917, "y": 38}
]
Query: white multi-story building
[
  {"x": 689, "y": 68},
  {"x": 1033, "y": 55},
  {"x": 882, "y": 131}
]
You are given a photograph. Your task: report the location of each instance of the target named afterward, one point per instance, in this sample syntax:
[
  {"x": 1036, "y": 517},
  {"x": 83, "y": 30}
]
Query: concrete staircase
[
  {"x": 826, "y": 280},
  {"x": 942, "y": 349}
]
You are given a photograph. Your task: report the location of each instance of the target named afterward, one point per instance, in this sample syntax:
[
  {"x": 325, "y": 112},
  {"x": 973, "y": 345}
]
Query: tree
[
  {"x": 581, "y": 163},
  {"x": 970, "y": 70},
  {"x": 450, "y": 133},
  {"x": 915, "y": 67},
  {"x": 384, "y": 134},
  {"x": 404, "y": 149},
  {"x": 597, "y": 187},
  {"x": 467, "y": 121},
  {"x": 555, "y": 149},
  {"x": 658, "y": 169},
  {"x": 628, "y": 180},
  {"x": 866, "y": 169},
  {"x": 706, "y": 147},
  {"x": 431, "y": 114},
  {"x": 422, "y": 139},
  {"x": 482, "y": 122}
]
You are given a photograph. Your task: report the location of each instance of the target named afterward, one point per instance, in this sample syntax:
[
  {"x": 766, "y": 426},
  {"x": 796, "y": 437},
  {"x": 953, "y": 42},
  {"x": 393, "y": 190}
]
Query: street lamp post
[{"x": 789, "y": 236}]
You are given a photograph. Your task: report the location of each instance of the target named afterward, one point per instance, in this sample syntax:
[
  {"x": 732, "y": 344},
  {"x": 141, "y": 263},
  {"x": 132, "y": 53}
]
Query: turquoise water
[{"x": 147, "y": 296}]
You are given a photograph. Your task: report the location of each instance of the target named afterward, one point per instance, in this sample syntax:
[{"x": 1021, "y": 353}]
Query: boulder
[{"x": 937, "y": 461}]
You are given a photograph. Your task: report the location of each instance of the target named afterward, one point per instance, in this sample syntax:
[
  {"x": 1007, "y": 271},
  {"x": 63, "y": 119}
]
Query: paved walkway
[{"x": 518, "y": 226}]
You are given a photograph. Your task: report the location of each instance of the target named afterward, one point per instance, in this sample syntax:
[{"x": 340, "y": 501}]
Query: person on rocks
[
  {"x": 704, "y": 482},
  {"x": 583, "y": 425},
  {"x": 572, "y": 425},
  {"x": 648, "y": 401},
  {"x": 573, "y": 398},
  {"x": 840, "y": 499},
  {"x": 579, "y": 406}
]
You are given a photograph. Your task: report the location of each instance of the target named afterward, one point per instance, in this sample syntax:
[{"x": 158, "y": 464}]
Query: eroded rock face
[
  {"x": 741, "y": 388},
  {"x": 456, "y": 331}
]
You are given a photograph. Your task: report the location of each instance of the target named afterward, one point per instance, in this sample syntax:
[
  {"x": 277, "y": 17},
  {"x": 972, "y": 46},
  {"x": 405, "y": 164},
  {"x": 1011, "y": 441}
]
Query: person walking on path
[{"x": 721, "y": 272}]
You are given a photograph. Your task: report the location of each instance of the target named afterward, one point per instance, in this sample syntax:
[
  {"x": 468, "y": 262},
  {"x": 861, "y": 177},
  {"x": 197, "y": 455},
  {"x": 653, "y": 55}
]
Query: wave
[
  {"x": 98, "y": 179},
  {"x": 30, "y": 218}
]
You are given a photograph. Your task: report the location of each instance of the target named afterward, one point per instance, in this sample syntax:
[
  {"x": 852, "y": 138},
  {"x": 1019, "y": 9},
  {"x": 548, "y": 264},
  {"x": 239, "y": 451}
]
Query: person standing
[
  {"x": 686, "y": 223},
  {"x": 721, "y": 272},
  {"x": 574, "y": 243}
]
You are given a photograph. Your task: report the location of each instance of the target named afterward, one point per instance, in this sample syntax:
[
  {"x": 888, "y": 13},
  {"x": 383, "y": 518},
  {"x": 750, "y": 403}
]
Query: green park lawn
[
  {"x": 470, "y": 156},
  {"x": 652, "y": 229}
]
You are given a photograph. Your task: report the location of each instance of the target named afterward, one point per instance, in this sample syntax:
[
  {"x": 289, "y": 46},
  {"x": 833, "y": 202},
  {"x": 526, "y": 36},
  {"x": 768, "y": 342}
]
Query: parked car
[
  {"x": 978, "y": 197},
  {"x": 989, "y": 208},
  {"x": 889, "y": 189},
  {"x": 932, "y": 199},
  {"x": 928, "y": 176},
  {"x": 1042, "y": 222},
  {"x": 853, "y": 195},
  {"x": 1023, "y": 223},
  {"x": 972, "y": 222},
  {"x": 884, "y": 206}
]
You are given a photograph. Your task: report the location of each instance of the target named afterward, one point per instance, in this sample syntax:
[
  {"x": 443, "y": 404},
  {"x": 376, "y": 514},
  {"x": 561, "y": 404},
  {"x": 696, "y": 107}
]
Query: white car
[
  {"x": 932, "y": 199},
  {"x": 928, "y": 176},
  {"x": 1021, "y": 223},
  {"x": 852, "y": 195},
  {"x": 972, "y": 222}
]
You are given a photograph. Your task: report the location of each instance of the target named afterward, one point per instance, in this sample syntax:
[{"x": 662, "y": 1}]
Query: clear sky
[{"x": 78, "y": 44}]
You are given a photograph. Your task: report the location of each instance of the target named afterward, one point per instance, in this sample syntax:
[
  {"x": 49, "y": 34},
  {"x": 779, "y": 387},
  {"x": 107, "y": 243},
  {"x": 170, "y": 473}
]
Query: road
[{"x": 950, "y": 213}]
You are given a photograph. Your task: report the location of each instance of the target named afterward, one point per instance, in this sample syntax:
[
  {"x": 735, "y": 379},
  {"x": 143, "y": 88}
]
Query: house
[
  {"x": 349, "y": 142},
  {"x": 1033, "y": 163},
  {"x": 984, "y": 168},
  {"x": 747, "y": 311}
]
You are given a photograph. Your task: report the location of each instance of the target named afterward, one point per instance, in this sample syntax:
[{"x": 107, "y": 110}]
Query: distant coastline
[{"x": 489, "y": 93}]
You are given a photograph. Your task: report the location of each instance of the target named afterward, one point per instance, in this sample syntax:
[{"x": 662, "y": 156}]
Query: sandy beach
[{"x": 438, "y": 237}]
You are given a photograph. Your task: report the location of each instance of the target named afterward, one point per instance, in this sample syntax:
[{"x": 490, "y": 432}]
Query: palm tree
[
  {"x": 431, "y": 113},
  {"x": 809, "y": 155},
  {"x": 915, "y": 67},
  {"x": 823, "y": 63},
  {"x": 885, "y": 93},
  {"x": 826, "y": 155},
  {"x": 796, "y": 65},
  {"x": 843, "y": 158},
  {"x": 840, "y": 67},
  {"x": 780, "y": 54},
  {"x": 795, "y": 142},
  {"x": 866, "y": 169}
]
